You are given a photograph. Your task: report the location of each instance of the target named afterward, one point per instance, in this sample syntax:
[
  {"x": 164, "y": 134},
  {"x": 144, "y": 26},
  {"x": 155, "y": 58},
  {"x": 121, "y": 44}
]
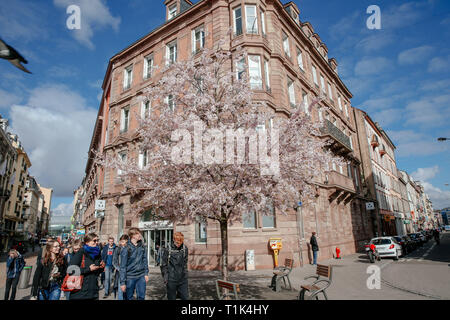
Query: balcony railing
[{"x": 342, "y": 140}]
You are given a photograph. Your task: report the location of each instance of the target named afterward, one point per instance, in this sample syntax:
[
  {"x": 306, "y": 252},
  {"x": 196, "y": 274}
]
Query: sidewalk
[{"x": 349, "y": 283}]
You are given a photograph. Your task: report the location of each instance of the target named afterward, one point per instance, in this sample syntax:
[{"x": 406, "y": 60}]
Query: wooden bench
[
  {"x": 323, "y": 277},
  {"x": 226, "y": 289},
  {"x": 282, "y": 273}
]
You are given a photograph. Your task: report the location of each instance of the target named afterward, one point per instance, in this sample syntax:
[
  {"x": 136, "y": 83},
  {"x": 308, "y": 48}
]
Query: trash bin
[{"x": 25, "y": 276}]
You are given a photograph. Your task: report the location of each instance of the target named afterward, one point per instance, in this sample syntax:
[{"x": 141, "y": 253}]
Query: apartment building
[
  {"x": 8, "y": 156},
  {"x": 46, "y": 206},
  {"x": 33, "y": 214},
  {"x": 289, "y": 65}
]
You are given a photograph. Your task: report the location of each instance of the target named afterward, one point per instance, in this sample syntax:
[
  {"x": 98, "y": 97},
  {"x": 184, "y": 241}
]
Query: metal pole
[{"x": 300, "y": 232}]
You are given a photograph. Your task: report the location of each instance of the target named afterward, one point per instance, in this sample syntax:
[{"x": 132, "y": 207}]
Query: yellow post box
[{"x": 276, "y": 245}]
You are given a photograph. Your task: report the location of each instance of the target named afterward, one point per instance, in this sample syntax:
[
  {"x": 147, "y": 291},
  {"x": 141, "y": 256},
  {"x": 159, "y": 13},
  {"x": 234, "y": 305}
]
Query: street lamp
[{"x": 443, "y": 139}]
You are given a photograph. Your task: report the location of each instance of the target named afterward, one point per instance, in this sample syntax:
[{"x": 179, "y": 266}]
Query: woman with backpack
[
  {"x": 14, "y": 266},
  {"x": 88, "y": 260},
  {"x": 49, "y": 274}
]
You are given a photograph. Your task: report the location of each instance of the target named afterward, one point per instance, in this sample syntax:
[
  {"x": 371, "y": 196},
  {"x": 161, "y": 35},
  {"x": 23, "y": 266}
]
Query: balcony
[
  {"x": 341, "y": 188},
  {"x": 341, "y": 143},
  {"x": 374, "y": 143}
]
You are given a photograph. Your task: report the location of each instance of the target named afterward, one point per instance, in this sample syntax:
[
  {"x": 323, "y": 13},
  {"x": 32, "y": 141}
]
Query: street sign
[
  {"x": 299, "y": 203},
  {"x": 370, "y": 206},
  {"x": 100, "y": 205}
]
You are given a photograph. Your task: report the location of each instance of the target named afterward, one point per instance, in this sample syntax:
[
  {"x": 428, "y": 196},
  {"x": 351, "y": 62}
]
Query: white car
[{"x": 387, "y": 247}]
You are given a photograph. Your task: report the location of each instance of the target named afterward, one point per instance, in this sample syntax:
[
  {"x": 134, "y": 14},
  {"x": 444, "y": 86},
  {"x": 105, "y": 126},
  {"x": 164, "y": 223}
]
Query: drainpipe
[{"x": 300, "y": 233}]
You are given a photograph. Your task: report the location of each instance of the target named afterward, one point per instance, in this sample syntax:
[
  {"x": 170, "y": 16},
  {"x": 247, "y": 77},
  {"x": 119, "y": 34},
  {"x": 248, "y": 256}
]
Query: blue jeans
[
  {"x": 108, "y": 276},
  {"x": 53, "y": 293},
  {"x": 315, "y": 257},
  {"x": 120, "y": 294},
  {"x": 137, "y": 284}
]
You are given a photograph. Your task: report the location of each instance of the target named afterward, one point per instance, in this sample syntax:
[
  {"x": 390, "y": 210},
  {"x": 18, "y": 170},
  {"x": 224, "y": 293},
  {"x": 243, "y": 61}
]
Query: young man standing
[
  {"x": 107, "y": 257},
  {"x": 314, "y": 247},
  {"x": 134, "y": 266}
]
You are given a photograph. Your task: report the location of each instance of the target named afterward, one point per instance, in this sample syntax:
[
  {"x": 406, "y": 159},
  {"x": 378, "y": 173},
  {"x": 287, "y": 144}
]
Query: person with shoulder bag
[
  {"x": 87, "y": 261},
  {"x": 49, "y": 274}
]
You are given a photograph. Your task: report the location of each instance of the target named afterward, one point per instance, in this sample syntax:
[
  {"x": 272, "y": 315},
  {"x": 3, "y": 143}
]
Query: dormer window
[{"x": 172, "y": 11}]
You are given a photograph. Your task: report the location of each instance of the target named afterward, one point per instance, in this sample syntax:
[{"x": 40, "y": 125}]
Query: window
[
  {"x": 305, "y": 102},
  {"x": 346, "y": 111},
  {"x": 334, "y": 166},
  {"x": 124, "y": 119},
  {"x": 237, "y": 17},
  {"x": 171, "y": 102},
  {"x": 322, "y": 83},
  {"x": 198, "y": 39},
  {"x": 356, "y": 176},
  {"x": 143, "y": 159},
  {"x": 127, "y": 77},
  {"x": 123, "y": 158},
  {"x": 314, "y": 73},
  {"x": 171, "y": 53},
  {"x": 251, "y": 20},
  {"x": 300, "y": 59},
  {"x": 240, "y": 68},
  {"x": 268, "y": 219},
  {"x": 148, "y": 66},
  {"x": 349, "y": 170},
  {"x": 330, "y": 92},
  {"x": 145, "y": 109},
  {"x": 200, "y": 230},
  {"x": 320, "y": 115},
  {"x": 291, "y": 92},
  {"x": 249, "y": 220},
  {"x": 266, "y": 74},
  {"x": 254, "y": 67},
  {"x": 341, "y": 170},
  {"x": 351, "y": 142},
  {"x": 286, "y": 45},
  {"x": 172, "y": 12},
  {"x": 340, "y": 103},
  {"x": 263, "y": 23}
]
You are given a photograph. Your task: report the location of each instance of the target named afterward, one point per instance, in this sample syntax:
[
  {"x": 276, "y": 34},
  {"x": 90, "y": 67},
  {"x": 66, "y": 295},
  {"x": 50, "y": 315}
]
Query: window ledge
[
  {"x": 269, "y": 229},
  {"x": 249, "y": 230}
]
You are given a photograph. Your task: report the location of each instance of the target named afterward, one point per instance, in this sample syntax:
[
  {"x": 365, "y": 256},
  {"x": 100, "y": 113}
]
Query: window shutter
[
  {"x": 141, "y": 160},
  {"x": 122, "y": 119}
]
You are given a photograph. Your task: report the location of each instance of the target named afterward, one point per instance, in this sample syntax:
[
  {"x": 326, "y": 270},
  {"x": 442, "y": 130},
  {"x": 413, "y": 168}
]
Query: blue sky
[{"x": 400, "y": 75}]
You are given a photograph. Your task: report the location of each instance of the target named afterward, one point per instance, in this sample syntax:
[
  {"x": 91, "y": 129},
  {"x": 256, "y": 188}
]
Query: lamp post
[{"x": 443, "y": 139}]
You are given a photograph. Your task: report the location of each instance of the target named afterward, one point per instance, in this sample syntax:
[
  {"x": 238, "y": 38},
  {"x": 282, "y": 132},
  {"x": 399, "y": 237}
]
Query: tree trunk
[{"x": 224, "y": 239}]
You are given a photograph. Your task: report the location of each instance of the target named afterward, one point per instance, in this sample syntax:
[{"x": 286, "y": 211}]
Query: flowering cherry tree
[{"x": 193, "y": 184}]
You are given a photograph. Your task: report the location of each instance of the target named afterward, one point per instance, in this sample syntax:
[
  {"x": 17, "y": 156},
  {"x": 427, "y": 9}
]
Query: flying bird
[{"x": 9, "y": 53}]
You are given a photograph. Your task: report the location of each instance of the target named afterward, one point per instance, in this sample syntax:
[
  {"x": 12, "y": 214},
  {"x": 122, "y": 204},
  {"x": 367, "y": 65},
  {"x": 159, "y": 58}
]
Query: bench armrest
[{"x": 323, "y": 280}]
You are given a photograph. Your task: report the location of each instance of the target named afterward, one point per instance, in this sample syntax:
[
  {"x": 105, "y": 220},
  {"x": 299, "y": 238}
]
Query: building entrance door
[{"x": 155, "y": 239}]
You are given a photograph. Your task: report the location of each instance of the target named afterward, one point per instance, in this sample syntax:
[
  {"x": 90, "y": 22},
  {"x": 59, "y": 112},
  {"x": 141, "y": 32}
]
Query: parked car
[
  {"x": 387, "y": 247},
  {"x": 429, "y": 234},
  {"x": 407, "y": 244},
  {"x": 414, "y": 237},
  {"x": 447, "y": 228},
  {"x": 422, "y": 237}
]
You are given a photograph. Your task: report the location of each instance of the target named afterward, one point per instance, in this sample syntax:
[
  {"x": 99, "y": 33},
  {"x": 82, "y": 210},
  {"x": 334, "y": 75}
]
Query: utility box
[{"x": 249, "y": 260}]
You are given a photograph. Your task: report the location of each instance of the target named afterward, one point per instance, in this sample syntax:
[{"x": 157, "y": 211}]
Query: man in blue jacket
[
  {"x": 14, "y": 266},
  {"x": 107, "y": 257},
  {"x": 134, "y": 266}
]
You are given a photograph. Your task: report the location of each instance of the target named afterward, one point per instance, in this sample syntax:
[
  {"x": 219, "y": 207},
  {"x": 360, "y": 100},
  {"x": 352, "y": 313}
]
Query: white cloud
[
  {"x": 414, "y": 55},
  {"x": 372, "y": 66},
  {"x": 62, "y": 213},
  {"x": 7, "y": 99},
  {"x": 432, "y": 85},
  {"x": 55, "y": 127},
  {"x": 62, "y": 72},
  {"x": 425, "y": 174},
  {"x": 439, "y": 198},
  {"x": 375, "y": 42},
  {"x": 429, "y": 111},
  {"x": 405, "y": 15},
  {"x": 412, "y": 144},
  {"x": 439, "y": 64},
  {"x": 95, "y": 15}
]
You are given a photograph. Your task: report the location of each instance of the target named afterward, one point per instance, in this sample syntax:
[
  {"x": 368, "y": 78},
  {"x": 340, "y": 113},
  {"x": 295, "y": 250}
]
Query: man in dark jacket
[
  {"x": 174, "y": 268},
  {"x": 14, "y": 266},
  {"x": 134, "y": 266},
  {"x": 314, "y": 247},
  {"x": 107, "y": 257}
]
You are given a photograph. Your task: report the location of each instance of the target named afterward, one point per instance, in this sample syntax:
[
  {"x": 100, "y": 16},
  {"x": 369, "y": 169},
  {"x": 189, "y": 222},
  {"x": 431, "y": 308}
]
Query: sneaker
[{"x": 105, "y": 296}]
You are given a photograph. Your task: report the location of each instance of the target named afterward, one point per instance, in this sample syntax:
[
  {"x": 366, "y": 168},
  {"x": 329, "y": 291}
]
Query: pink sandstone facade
[{"x": 294, "y": 67}]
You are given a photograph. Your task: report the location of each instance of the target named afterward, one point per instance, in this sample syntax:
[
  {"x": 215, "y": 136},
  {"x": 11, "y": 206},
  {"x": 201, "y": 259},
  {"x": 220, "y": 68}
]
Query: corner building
[{"x": 293, "y": 67}]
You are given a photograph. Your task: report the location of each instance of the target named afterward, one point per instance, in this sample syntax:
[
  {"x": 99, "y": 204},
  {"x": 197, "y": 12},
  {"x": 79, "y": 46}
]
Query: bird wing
[
  {"x": 16, "y": 55},
  {"x": 16, "y": 62},
  {"x": 3, "y": 46}
]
